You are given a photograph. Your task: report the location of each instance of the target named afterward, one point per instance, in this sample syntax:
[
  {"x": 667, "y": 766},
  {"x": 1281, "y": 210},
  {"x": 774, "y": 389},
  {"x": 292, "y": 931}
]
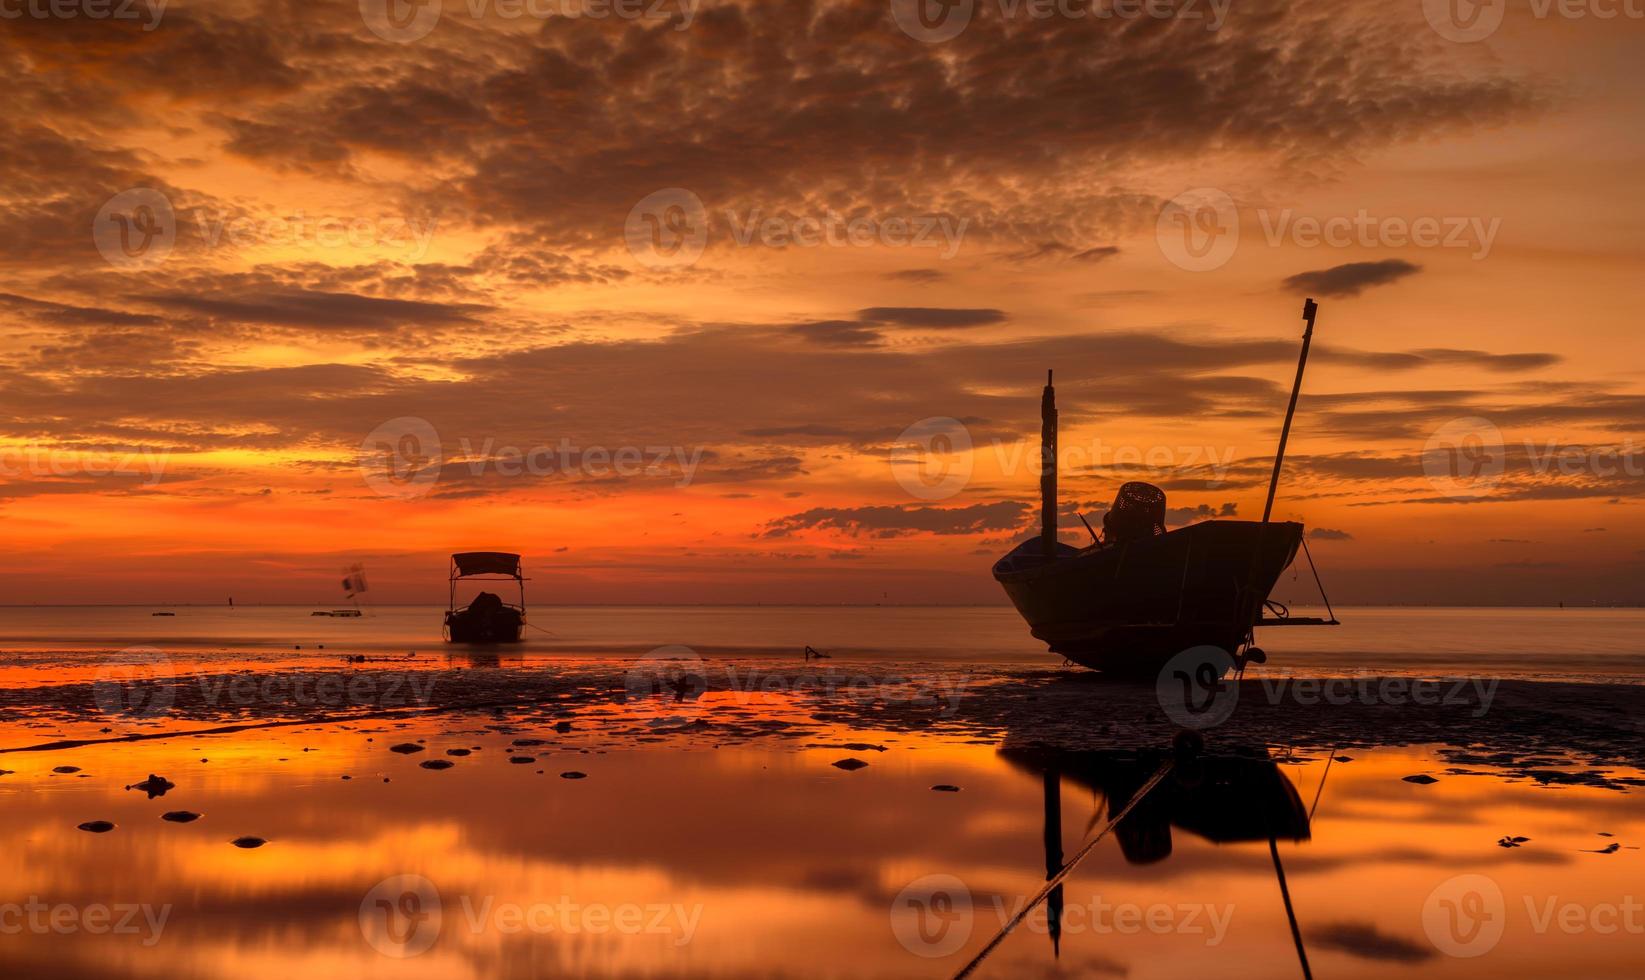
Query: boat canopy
[{"x": 486, "y": 563}]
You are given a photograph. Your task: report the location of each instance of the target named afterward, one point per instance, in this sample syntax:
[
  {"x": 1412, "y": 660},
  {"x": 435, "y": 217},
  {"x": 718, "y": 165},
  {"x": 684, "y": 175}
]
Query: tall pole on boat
[
  {"x": 1309, "y": 309},
  {"x": 1048, "y": 470}
]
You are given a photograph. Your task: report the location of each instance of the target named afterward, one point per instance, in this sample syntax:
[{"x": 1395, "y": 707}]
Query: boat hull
[
  {"x": 505, "y": 625},
  {"x": 1129, "y": 607}
]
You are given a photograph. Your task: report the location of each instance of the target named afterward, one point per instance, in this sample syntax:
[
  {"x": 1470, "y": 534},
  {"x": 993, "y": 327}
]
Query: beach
[{"x": 756, "y": 813}]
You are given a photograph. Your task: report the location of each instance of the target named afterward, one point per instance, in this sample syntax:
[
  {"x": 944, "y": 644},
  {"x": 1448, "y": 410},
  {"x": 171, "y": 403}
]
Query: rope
[
  {"x": 1057, "y": 879},
  {"x": 1323, "y": 777},
  {"x": 1317, "y": 583},
  {"x": 1290, "y": 913}
]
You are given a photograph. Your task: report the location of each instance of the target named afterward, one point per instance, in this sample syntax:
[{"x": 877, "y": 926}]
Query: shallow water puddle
[{"x": 680, "y": 858}]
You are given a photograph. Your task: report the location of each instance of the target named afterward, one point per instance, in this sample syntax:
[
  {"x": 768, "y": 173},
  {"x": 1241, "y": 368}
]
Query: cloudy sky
[{"x": 752, "y": 301}]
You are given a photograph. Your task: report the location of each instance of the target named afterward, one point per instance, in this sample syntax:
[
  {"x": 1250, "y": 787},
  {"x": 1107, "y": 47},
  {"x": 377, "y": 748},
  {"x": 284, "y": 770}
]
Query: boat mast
[
  {"x": 1309, "y": 309},
  {"x": 1048, "y": 470}
]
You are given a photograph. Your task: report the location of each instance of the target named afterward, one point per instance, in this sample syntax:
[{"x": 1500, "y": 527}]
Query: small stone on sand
[
  {"x": 406, "y": 748},
  {"x": 438, "y": 764},
  {"x": 946, "y": 788},
  {"x": 521, "y": 760},
  {"x": 66, "y": 769},
  {"x": 248, "y": 842},
  {"x": 97, "y": 826},
  {"x": 1421, "y": 779},
  {"x": 850, "y": 765},
  {"x": 179, "y": 816},
  {"x": 573, "y": 774}
]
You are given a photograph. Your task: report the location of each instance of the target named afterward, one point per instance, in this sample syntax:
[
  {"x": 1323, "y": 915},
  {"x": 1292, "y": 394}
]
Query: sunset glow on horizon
[{"x": 738, "y": 302}]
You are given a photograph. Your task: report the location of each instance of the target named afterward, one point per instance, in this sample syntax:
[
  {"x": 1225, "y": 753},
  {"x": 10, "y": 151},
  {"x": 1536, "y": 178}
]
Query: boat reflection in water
[{"x": 1223, "y": 799}]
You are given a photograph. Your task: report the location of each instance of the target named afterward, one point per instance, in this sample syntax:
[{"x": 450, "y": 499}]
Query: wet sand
[{"x": 1555, "y": 731}]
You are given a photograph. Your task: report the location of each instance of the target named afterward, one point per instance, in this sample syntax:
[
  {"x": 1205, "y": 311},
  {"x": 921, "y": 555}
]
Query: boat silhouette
[
  {"x": 486, "y": 618},
  {"x": 1139, "y": 594}
]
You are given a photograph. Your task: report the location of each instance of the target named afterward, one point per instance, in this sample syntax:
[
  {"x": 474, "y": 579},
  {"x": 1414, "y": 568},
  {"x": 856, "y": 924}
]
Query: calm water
[
  {"x": 770, "y": 862},
  {"x": 1567, "y": 643}
]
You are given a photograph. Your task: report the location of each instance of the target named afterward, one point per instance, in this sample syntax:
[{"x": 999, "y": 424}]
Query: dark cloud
[
  {"x": 917, "y": 275},
  {"x": 319, "y": 310},
  {"x": 1329, "y": 534},
  {"x": 900, "y": 521},
  {"x": 1352, "y": 278},
  {"x": 931, "y": 317},
  {"x": 1366, "y": 941}
]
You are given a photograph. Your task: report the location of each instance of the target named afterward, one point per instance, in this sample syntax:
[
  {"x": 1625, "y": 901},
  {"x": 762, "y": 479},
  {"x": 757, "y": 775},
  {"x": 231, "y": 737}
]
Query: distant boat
[
  {"x": 1140, "y": 594},
  {"x": 487, "y": 618}
]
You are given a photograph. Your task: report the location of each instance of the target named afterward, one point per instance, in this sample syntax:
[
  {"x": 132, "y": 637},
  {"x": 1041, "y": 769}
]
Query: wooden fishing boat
[
  {"x": 486, "y": 618},
  {"x": 1139, "y": 594}
]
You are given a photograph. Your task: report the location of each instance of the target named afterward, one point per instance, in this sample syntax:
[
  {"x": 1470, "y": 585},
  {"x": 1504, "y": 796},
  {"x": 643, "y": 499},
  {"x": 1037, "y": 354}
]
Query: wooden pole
[
  {"x": 1309, "y": 309},
  {"x": 1048, "y": 470}
]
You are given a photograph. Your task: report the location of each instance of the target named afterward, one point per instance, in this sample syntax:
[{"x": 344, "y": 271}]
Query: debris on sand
[
  {"x": 179, "y": 816},
  {"x": 1421, "y": 779},
  {"x": 154, "y": 786},
  {"x": 406, "y": 748},
  {"x": 438, "y": 764},
  {"x": 97, "y": 826},
  {"x": 850, "y": 765},
  {"x": 946, "y": 788},
  {"x": 573, "y": 774},
  {"x": 248, "y": 842}
]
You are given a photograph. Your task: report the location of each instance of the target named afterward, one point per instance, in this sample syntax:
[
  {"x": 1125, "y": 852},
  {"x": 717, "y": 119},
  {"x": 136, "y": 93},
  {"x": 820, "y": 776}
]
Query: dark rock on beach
[
  {"x": 946, "y": 788},
  {"x": 406, "y": 748},
  {"x": 179, "y": 816},
  {"x": 850, "y": 765},
  {"x": 154, "y": 786},
  {"x": 65, "y": 770},
  {"x": 248, "y": 843},
  {"x": 97, "y": 826},
  {"x": 1421, "y": 779},
  {"x": 573, "y": 774},
  {"x": 521, "y": 760},
  {"x": 438, "y": 764}
]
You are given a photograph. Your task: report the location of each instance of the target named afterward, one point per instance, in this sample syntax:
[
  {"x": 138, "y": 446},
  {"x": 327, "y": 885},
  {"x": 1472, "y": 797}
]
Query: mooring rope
[{"x": 1067, "y": 869}]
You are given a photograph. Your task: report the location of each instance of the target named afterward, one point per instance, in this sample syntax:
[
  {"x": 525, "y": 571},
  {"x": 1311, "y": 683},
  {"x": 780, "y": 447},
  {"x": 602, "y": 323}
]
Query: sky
[{"x": 736, "y": 302}]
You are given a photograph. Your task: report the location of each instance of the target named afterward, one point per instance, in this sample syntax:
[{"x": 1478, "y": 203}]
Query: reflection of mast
[
  {"x": 1048, "y": 469},
  {"x": 1053, "y": 856}
]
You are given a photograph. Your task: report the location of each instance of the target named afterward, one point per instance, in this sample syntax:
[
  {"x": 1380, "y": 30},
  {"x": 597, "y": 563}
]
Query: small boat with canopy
[{"x": 486, "y": 618}]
